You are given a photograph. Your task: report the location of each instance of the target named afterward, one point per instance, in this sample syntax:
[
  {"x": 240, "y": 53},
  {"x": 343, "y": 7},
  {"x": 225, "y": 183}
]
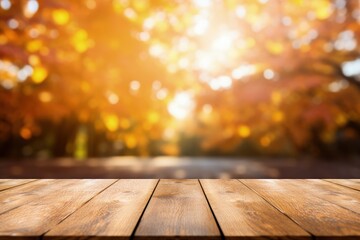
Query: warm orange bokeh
[{"x": 142, "y": 77}]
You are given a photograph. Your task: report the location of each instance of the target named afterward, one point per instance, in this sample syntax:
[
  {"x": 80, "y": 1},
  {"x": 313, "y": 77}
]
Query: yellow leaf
[
  {"x": 162, "y": 26},
  {"x": 80, "y": 41},
  {"x": 153, "y": 117},
  {"x": 275, "y": 47},
  {"x": 34, "y": 60},
  {"x": 244, "y": 131},
  {"x": 130, "y": 141},
  {"x": 278, "y": 116},
  {"x": 340, "y": 120},
  {"x": 60, "y": 16},
  {"x": 265, "y": 141},
  {"x": 39, "y": 74},
  {"x": 323, "y": 9},
  {"x": 170, "y": 149},
  {"x": 45, "y": 96},
  {"x": 34, "y": 45},
  {"x": 85, "y": 86},
  {"x": 25, "y": 133},
  {"x": 297, "y": 2},
  {"x": 111, "y": 122},
  {"x": 118, "y": 6},
  {"x": 140, "y": 5},
  {"x": 3, "y": 39},
  {"x": 276, "y": 97},
  {"x": 124, "y": 123}
]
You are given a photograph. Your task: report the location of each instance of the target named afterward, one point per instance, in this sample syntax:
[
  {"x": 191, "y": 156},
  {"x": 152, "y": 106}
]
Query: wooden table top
[{"x": 172, "y": 208}]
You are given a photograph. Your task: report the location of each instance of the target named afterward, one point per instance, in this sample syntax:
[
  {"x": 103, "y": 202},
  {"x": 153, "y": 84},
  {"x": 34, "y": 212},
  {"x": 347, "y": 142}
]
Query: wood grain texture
[
  {"x": 242, "y": 214},
  {"x": 350, "y": 183},
  {"x": 321, "y": 218},
  {"x": 24, "y": 194},
  {"x": 245, "y": 209},
  {"x": 337, "y": 194},
  {"x": 113, "y": 213},
  {"x": 10, "y": 183},
  {"x": 49, "y": 208},
  {"x": 177, "y": 209}
]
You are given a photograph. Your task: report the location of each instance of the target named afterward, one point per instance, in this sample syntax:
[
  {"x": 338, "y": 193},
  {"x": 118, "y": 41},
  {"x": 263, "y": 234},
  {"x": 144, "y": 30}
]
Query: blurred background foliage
[{"x": 92, "y": 78}]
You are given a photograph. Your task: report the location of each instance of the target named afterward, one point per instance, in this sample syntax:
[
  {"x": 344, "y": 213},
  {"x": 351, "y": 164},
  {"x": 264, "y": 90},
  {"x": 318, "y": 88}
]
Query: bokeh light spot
[
  {"x": 60, "y": 16},
  {"x": 39, "y": 74},
  {"x": 244, "y": 131},
  {"x": 111, "y": 122},
  {"x": 181, "y": 106}
]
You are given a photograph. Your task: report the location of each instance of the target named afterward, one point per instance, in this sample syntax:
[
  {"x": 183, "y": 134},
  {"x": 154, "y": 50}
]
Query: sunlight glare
[
  {"x": 243, "y": 71},
  {"x": 31, "y": 8},
  {"x": 224, "y": 42},
  {"x": 5, "y": 4},
  {"x": 181, "y": 106},
  {"x": 222, "y": 82},
  {"x": 201, "y": 25},
  {"x": 204, "y": 60},
  {"x": 202, "y": 3}
]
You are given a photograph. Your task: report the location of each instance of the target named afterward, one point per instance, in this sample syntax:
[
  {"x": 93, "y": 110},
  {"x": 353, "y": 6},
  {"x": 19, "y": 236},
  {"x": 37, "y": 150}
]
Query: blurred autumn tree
[{"x": 96, "y": 78}]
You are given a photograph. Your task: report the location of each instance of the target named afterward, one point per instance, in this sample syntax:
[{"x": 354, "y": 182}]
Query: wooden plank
[
  {"x": 241, "y": 213},
  {"x": 337, "y": 194},
  {"x": 113, "y": 213},
  {"x": 320, "y": 218},
  {"x": 24, "y": 194},
  {"x": 49, "y": 208},
  {"x": 178, "y": 209},
  {"x": 10, "y": 183},
  {"x": 350, "y": 183}
]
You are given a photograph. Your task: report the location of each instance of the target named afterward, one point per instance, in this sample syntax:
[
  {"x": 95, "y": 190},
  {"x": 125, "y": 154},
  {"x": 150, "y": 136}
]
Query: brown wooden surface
[
  {"x": 178, "y": 208},
  {"x": 351, "y": 183},
  {"x": 344, "y": 197},
  {"x": 10, "y": 183},
  {"x": 242, "y": 213},
  {"x": 320, "y": 218},
  {"x": 172, "y": 209},
  {"x": 24, "y": 194},
  {"x": 47, "y": 210},
  {"x": 114, "y": 212}
]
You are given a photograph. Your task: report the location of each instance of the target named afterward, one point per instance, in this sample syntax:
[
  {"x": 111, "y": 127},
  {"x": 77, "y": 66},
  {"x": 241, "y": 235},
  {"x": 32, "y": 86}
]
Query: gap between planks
[
  {"x": 348, "y": 183},
  {"x": 336, "y": 202},
  {"x": 212, "y": 211},
  {"x": 242, "y": 213},
  {"x": 6, "y": 184},
  {"x": 321, "y": 218},
  {"x": 113, "y": 212},
  {"x": 177, "y": 209},
  {"x": 47, "y": 204},
  {"x": 80, "y": 206},
  {"x": 142, "y": 214}
]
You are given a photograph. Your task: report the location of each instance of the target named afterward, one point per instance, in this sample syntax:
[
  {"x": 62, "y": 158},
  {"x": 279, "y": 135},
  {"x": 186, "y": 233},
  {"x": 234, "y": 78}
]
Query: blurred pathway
[{"x": 178, "y": 167}]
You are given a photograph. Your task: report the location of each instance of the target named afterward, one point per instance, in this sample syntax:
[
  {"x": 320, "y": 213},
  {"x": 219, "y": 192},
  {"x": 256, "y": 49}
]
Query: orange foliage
[{"x": 94, "y": 78}]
